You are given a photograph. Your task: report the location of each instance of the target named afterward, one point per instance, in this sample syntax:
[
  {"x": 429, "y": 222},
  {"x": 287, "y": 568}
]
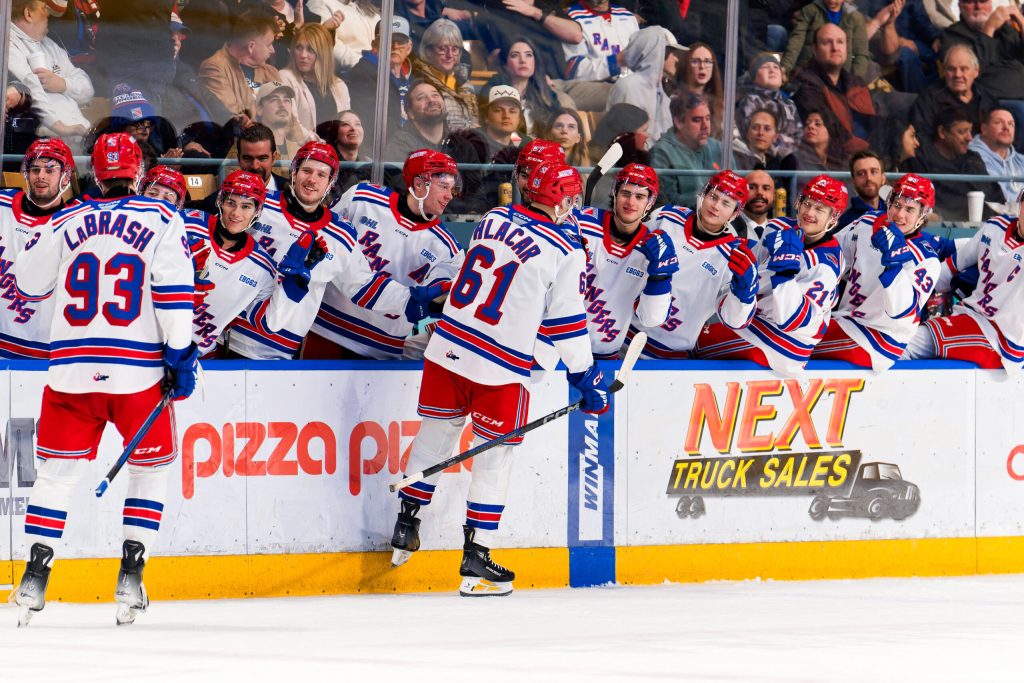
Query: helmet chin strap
[
  {"x": 61, "y": 189},
  {"x": 560, "y": 217},
  {"x": 420, "y": 209}
]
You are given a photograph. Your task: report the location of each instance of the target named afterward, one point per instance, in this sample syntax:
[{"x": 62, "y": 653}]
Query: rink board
[{"x": 700, "y": 471}]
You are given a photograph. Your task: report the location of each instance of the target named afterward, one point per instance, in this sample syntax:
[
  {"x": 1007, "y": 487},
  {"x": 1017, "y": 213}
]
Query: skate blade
[
  {"x": 126, "y": 614},
  {"x": 473, "y": 587},
  {"x": 400, "y": 557}
]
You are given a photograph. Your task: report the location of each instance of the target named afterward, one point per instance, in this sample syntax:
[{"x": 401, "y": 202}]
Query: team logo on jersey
[{"x": 100, "y": 377}]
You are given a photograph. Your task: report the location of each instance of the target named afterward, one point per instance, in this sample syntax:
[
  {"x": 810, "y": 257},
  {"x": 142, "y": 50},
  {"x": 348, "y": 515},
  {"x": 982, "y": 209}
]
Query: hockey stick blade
[
  {"x": 610, "y": 158},
  {"x": 635, "y": 347},
  {"x": 130, "y": 448}
]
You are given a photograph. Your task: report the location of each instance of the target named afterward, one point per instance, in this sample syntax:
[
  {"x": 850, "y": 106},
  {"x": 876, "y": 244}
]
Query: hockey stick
[
  {"x": 102, "y": 488},
  {"x": 610, "y": 158},
  {"x": 635, "y": 347}
]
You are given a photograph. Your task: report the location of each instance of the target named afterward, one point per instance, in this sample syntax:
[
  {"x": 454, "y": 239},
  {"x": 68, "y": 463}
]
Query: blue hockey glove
[
  {"x": 295, "y": 274},
  {"x": 180, "y": 367},
  {"x": 591, "y": 384},
  {"x": 785, "y": 249},
  {"x": 743, "y": 264},
  {"x": 662, "y": 262},
  {"x": 893, "y": 245},
  {"x": 421, "y": 300}
]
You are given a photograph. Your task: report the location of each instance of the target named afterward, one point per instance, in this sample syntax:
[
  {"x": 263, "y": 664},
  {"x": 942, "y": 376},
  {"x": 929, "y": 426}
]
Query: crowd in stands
[{"x": 932, "y": 86}]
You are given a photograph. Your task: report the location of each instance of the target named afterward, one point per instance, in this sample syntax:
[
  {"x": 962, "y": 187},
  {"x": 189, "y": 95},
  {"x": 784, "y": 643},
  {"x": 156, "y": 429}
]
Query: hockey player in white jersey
[
  {"x": 120, "y": 274},
  {"x": 607, "y": 29},
  {"x": 401, "y": 236},
  {"x": 892, "y": 269},
  {"x": 719, "y": 272},
  {"x": 629, "y": 267},
  {"x": 800, "y": 266},
  {"x": 333, "y": 258},
  {"x": 47, "y": 169},
  {"x": 986, "y": 328},
  {"x": 521, "y": 274}
]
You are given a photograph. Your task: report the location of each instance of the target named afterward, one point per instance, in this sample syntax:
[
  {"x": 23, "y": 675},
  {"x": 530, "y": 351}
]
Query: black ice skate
[
  {"x": 406, "y": 539},
  {"x": 131, "y": 594},
  {"x": 481, "y": 576},
  {"x": 31, "y": 594}
]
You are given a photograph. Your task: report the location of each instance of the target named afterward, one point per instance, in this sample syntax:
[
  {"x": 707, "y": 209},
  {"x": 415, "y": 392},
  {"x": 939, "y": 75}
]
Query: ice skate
[
  {"x": 31, "y": 594},
  {"x": 406, "y": 539},
  {"x": 481, "y": 576},
  {"x": 130, "y": 593}
]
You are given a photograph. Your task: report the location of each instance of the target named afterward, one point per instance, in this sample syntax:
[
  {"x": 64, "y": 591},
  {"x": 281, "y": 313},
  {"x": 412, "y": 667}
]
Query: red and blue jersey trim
[
  {"x": 372, "y": 194},
  {"x": 420, "y": 493},
  {"x": 108, "y": 351},
  {"x": 254, "y": 327},
  {"x": 342, "y": 232},
  {"x": 169, "y": 297},
  {"x": 779, "y": 342},
  {"x": 370, "y": 293},
  {"x": 656, "y": 349},
  {"x": 12, "y": 347},
  {"x": 569, "y": 327},
  {"x": 483, "y": 516},
  {"x": 484, "y": 346},
  {"x": 882, "y": 343},
  {"x": 143, "y": 513},
  {"x": 46, "y": 522},
  {"x": 359, "y": 331},
  {"x": 29, "y": 297}
]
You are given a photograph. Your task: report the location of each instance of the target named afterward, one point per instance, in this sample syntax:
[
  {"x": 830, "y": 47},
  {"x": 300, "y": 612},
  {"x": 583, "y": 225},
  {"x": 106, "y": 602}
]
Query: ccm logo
[
  {"x": 237, "y": 449},
  {"x": 372, "y": 446}
]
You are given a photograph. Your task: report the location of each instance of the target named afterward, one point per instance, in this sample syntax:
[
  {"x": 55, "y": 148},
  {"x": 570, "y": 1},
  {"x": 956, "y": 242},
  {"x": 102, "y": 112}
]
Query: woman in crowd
[
  {"x": 761, "y": 88},
  {"x": 353, "y": 23},
  {"x": 346, "y": 135},
  {"x": 520, "y": 68},
  {"x": 897, "y": 143},
  {"x": 699, "y": 73},
  {"x": 319, "y": 94},
  {"x": 439, "y": 64},
  {"x": 567, "y": 130},
  {"x": 821, "y": 148}
]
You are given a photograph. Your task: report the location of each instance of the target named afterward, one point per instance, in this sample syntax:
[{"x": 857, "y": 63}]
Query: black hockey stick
[
  {"x": 610, "y": 158},
  {"x": 143, "y": 430},
  {"x": 632, "y": 353}
]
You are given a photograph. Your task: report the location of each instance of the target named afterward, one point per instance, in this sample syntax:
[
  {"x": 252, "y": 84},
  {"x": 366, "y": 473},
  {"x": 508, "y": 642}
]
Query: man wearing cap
[
  {"x": 501, "y": 119},
  {"x": 275, "y": 108},
  {"x": 234, "y": 72},
  {"x": 362, "y": 79},
  {"x": 58, "y": 88}
]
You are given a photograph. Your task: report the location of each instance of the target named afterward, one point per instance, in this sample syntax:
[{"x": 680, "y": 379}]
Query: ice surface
[{"x": 907, "y": 630}]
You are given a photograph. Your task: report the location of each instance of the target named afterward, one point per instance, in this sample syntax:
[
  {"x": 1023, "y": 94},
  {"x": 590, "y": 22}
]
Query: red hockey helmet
[
  {"x": 244, "y": 184},
  {"x": 317, "y": 151},
  {"x": 169, "y": 178},
  {"x": 116, "y": 155},
  {"x": 729, "y": 184},
  {"x": 534, "y": 153},
  {"x": 50, "y": 148},
  {"x": 552, "y": 182},
  {"x": 829, "y": 191},
  {"x": 914, "y": 187},
  {"x": 427, "y": 162},
  {"x": 638, "y": 174}
]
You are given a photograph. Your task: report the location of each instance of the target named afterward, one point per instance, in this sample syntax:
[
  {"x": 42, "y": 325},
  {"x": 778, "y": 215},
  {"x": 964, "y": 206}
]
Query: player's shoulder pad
[
  {"x": 273, "y": 200},
  {"x": 1001, "y": 222},
  {"x": 8, "y": 194},
  {"x": 780, "y": 223},
  {"x": 445, "y": 236},
  {"x": 830, "y": 254},
  {"x": 370, "y": 192},
  {"x": 341, "y": 231},
  {"x": 161, "y": 207},
  {"x": 260, "y": 257},
  {"x": 933, "y": 246}
]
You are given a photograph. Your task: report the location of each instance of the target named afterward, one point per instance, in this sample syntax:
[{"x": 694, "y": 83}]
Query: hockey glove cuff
[{"x": 590, "y": 383}]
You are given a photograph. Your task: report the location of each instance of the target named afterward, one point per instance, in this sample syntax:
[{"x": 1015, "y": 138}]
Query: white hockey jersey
[
  {"x": 792, "y": 318},
  {"x": 522, "y": 275},
  {"x": 882, "y": 320},
  {"x": 409, "y": 253},
  {"x": 254, "y": 336},
  {"x": 997, "y": 303},
  {"x": 121, "y": 277},
  {"x": 605, "y": 35},
  {"x": 24, "y": 325},
  {"x": 616, "y": 276},
  {"x": 240, "y": 278},
  {"x": 699, "y": 290}
]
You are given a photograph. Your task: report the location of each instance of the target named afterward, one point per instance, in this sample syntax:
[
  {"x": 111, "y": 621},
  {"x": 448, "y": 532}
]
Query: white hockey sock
[
  {"x": 488, "y": 491},
  {"x": 144, "y": 504},
  {"x": 434, "y": 442},
  {"x": 921, "y": 345},
  {"x": 47, "y": 511}
]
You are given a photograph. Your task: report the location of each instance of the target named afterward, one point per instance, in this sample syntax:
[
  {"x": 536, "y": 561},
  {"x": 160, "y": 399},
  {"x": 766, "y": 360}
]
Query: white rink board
[
  {"x": 917, "y": 420},
  {"x": 1000, "y": 421}
]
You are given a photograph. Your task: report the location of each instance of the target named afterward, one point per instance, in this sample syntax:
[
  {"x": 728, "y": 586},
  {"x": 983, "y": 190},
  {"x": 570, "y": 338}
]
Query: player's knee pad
[
  {"x": 435, "y": 441},
  {"x": 492, "y": 471},
  {"x": 58, "y": 472}
]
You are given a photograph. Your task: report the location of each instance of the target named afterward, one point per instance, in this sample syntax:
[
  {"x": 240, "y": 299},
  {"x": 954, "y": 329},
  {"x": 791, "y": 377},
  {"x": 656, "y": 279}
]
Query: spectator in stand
[
  {"x": 319, "y": 94},
  {"x": 237, "y": 70},
  {"x": 428, "y": 121},
  {"x": 567, "y": 130},
  {"x": 824, "y": 85},
  {"x": 20, "y": 122},
  {"x": 810, "y": 18},
  {"x": 756, "y": 150},
  {"x": 821, "y": 149},
  {"x": 132, "y": 113},
  {"x": 255, "y": 151},
  {"x": 947, "y": 152},
  {"x": 354, "y": 25},
  {"x": 134, "y": 46},
  {"x": 501, "y": 120},
  {"x": 646, "y": 57},
  {"x": 917, "y": 39},
  {"x": 633, "y": 152},
  {"x": 57, "y": 87},
  {"x": 621, "y": 118},
  {"x": 897, "y": 142},
  {"x": 421, "y": 15},
  {"x": 594, "y": 62},
  {"x": 995, "y": 36},
  {"x": 688, "y": 145},
  {"x": 995, "y": 147},
  {"x": 362, "y": 80},
  {"x": 960, "y": 88},
  {"x": 520, "y": 69},
  {"x": 868, "y": 178},
  {"x": 346, "y": 136},
  {"x": 761, "y": 88},
  {"x": 700, "y": 74},
  {"x": 757, "y": 211},
  {"x": 275, "y": 108},
  {"x": 438, "y": 64}
]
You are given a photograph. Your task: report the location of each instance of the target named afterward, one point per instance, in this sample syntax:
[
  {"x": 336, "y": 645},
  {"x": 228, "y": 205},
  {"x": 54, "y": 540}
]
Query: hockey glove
[
  {"x": 295, "y": 274},
  {"x": 662, "y": 262},
  {"x": 785, "y": 249},
  {"x": 893, "y": 245},
  {"x": 200, "y": 252},
  {"x": 421, "y": 300},
  {"x": 317, "y": 251},
  {"x": 743, "y": 264},
  {"x": 180, "y": 367},
  {"x": 590, "y": 383}
]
